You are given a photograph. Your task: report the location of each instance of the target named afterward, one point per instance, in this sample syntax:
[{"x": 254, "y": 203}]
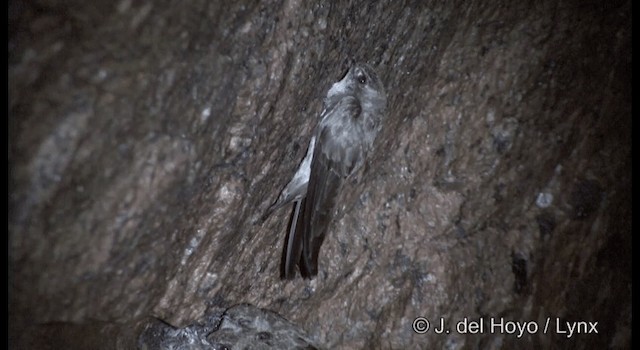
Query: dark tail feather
[{"x": 293, "y": 250}]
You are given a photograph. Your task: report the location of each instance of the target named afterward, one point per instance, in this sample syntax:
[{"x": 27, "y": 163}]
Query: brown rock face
[{"x": 146, "y": 141}]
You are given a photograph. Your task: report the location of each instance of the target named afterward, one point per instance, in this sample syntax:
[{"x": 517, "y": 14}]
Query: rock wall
[{"x": 147, "y": 139}]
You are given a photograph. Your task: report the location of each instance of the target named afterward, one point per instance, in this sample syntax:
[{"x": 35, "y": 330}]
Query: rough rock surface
[
  {"x": 146, "y": 139},
  {"x": 241, "y": 326}
]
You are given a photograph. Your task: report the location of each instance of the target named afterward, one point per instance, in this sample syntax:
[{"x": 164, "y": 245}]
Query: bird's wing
[{"x": 335, "y": 155}]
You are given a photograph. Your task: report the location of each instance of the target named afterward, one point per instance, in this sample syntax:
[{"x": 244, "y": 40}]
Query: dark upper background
[{"x": 146, "y": 139}]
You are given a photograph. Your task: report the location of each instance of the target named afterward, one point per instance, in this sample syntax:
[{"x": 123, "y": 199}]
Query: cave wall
[{"x": 147, "y": 139}]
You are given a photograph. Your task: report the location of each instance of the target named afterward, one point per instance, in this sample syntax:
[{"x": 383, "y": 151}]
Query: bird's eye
[{"x": 362, "y": 79}]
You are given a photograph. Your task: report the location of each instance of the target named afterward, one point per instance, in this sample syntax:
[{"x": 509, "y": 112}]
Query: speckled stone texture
[
  {"x": 241, "y": 326},
  {"x": 146, "y": 139}
]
